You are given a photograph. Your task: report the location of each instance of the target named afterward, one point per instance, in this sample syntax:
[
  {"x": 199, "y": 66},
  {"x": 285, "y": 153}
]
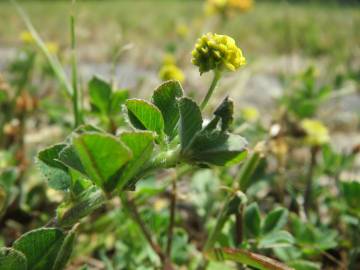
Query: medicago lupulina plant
[{"x": 92, "y": 166}]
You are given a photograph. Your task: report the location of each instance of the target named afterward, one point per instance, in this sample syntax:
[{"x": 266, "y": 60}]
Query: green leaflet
[
  {"x": 165, "y": 98},
  {"x": 144, "y": 115},
  {"x": 40, "y": 247},
  {"x": 190, "y": 122},
  {"x": 100, "y": 94},
  {"x": 11, "y": 259},
  {"x": 102, "y": 156},
  {"x": 141, "y": 145}
]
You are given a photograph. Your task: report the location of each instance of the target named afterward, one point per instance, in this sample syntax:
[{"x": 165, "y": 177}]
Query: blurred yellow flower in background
[
  {"x": 213, "y": 51},
  {"x": 171, "y": 72},
  {"x": 169, "y": 69},
  {"x": 182, "y": 30},
  {"x": 241, "y": 5},
  {"x": 250, "y": 114},
  {"x": 316, "y": 132},
  {"x": 169, "y": 59},
  {"x": 52, "y": 47},
  {"x": 26, "y": 37},
  {"x": 227, "y": 6},
  {"x": 215, "y": 6}
]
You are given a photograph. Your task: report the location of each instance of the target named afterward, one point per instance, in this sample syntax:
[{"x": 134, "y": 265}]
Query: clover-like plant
[{"x": 92, "y": 165}]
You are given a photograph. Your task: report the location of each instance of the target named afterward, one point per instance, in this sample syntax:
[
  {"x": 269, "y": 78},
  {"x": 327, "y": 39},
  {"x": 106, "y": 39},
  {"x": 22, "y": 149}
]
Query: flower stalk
[{"x": 216, "y": 79}]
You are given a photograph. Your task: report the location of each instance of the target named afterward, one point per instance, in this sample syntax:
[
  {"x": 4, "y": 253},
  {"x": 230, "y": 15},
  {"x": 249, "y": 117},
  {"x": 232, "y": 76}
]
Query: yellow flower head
[
  {"x": 52, "y": 47},
  {"x": 213, "y": 51},
  {"x": 316, "y": 132},
  {"x": 171, "y": 72},
  {"x": 250, "y": 114},
  {"x": 241, "y": 5},
  {"x": 27, "y": 37}
]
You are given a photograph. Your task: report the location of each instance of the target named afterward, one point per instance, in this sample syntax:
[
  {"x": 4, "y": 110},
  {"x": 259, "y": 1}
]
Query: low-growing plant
[{"x": 164, "y": 183}]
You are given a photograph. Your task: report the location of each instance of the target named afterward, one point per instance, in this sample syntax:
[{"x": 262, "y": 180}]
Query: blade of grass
[
  {"x": 74, "y": 73},
  {"x": 245, "y": 257},
  {"x": 53, "y": 61}
]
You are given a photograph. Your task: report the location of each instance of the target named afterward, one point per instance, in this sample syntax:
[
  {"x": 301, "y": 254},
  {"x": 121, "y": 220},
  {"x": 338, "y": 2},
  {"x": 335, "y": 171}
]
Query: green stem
[
  {"x": 231, "y": 207},
  {"x": 309, "y": 180},
  {"x": 75, "y": 96},
  {"x": 217, "y": 77},
  {"x": 134, "y": 213},
  {"x": 172, "y": 217},
  {"x": 247, "y": 170}
]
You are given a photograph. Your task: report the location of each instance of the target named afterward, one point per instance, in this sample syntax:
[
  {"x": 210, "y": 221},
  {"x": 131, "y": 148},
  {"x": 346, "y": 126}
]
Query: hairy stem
[
  {"x": 231, "y": 207},
  {"x": 239, "y": 231},
  {"x": 172, "y": 217},
  {"x": 217, "y": 77},
  {"x": 135, "y": 215},
  {"x": 309, "y": 178}
]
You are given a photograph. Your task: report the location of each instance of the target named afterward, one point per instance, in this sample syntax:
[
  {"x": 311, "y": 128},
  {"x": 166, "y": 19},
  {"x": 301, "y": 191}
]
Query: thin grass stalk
[
  {"x": 53, "y": 61},
  {"x": 74, "y": 72}
]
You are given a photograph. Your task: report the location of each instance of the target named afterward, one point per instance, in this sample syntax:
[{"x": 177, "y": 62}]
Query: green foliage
[
  {"x": 351, "y": 193},
  {"x": 11, "y": 259},
  {"x": 150, "y": 182},
  {"x": 252, "y": 220},
  {"x": 141, "y": 145},
  {"x": 144, "y": 115},
  {"x": 102, "y": 157},
  {"x": 165, "y": 98},
  {"x": 100, "y": 94},
  {"x": 304, "y": 99},
  {"x": 190, "y": 122},
  {"x": 275, "y": 220},
  {"x": 40, "y": 247}
]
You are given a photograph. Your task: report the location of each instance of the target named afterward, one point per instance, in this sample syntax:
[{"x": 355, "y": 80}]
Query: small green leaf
[
  {"x": 70, "y": 158},
  {"x": 225, "y": 111},
  {"x": 217, "y": 148},
  {"x": 275, "y": 220},
  {"x": 11, "y": 259},
  {"x": 141, "y": 144},
  {"x": 117, "y": 99},
  {"x": 190, "y": 122},
  {"x": 100, "y": 94},
  {"x": 57, "y": 178},
  {"x": 144, "y": 115},
  {"x": 351, "y": 191},
  {"x": 86, "y": 128},
  {"x": 40, "y": 247},
  {"x": 165, "y": 98},
  {"x": 51, "y": 154},
  {"x": 252, "y": 220},
  {"x": 65, "y": 251},
  {"x": 276, "y": 239},
  {"x": 102, "y": 156},
  {"x": 52, "y": 169}
]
